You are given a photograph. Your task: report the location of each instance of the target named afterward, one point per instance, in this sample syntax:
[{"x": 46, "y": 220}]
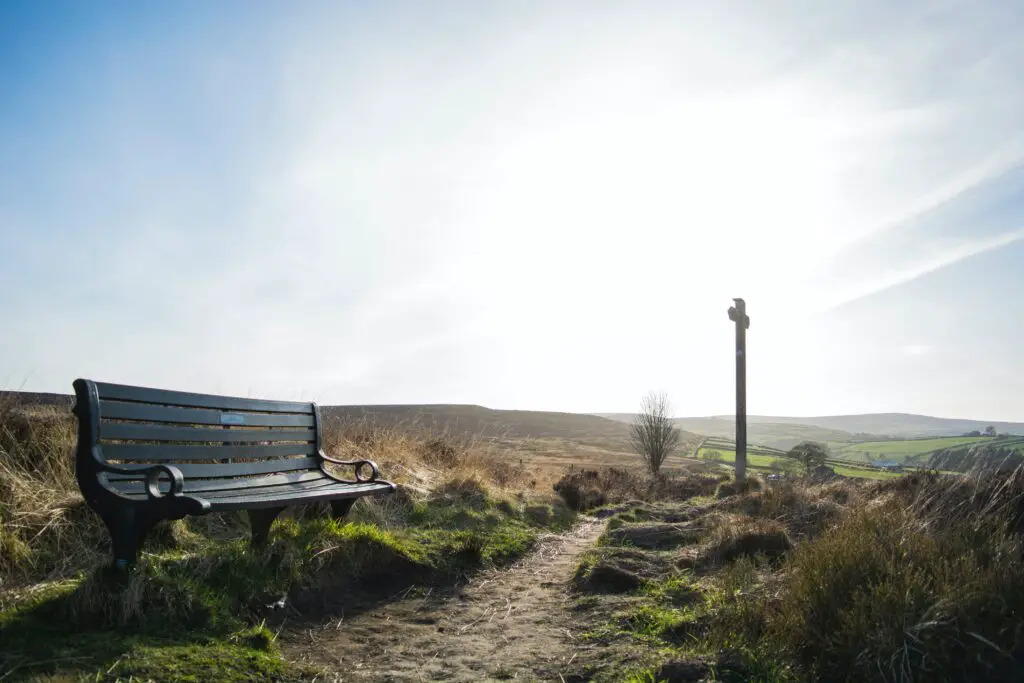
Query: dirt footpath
[{"x": 509, "y": 624}]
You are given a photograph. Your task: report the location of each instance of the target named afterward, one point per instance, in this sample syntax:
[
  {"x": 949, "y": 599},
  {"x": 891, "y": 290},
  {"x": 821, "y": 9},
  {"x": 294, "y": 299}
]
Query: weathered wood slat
[
  {"x": 125, "y": 431},
  {"x": 166, "y": 452},
  {"x": 247, "y": 492},
  {"x": 149, "y": 412},
  {"x": 234, "y": 469},
  {"x": 121, "y": 392},
  {"x": 284, "y": 496},
  {"x": 279, "y": 490},
  {"x": 288, "y": 498},
  {"x": 202, "y": 486}
]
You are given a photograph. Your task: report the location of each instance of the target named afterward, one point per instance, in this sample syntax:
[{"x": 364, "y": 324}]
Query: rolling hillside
[
  {"x": 36, "y": 398},
  {"x": 899, "y": 451},
  {"x": 786, "y": 432},
  {"x": 468, "y": 419},
  {"x": 859, "y": 459},
  {"x": 774, "y": 435},
  {"x": 896, "y": 424},
  {"x": 482, "y": 421}
]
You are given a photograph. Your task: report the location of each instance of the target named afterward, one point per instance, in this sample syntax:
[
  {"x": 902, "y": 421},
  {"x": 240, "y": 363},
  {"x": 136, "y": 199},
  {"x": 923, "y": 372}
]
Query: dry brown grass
[
  {"x": 805, "y": 510},
  {"x": 917, "y": 578},
  {"x": 419, "y": 457},
  {"x": 733, "y": 537},
  {"x": 591, "y": 488},
  {"x": 45, "y": 529}
]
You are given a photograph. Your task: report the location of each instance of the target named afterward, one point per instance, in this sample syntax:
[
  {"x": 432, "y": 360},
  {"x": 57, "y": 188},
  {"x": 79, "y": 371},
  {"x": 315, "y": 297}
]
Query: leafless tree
[{"x": 652, "y": 434}]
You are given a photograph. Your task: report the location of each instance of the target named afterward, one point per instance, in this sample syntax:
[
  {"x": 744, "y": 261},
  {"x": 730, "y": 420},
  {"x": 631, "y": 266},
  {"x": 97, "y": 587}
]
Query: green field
[
  {"x": 729, "y": 456},
  {"x": 717, "y": 443},
  {"x": 862, "y": 473},
  {"x": 919, "y": 452},
  {"x": 957, "y": 452},
  {"x": 898, "y": 450},
  {"x": 757, "y": 461}
]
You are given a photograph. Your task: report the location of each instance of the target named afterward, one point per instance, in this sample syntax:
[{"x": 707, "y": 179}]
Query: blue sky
[{"x": 521, "y": 205}]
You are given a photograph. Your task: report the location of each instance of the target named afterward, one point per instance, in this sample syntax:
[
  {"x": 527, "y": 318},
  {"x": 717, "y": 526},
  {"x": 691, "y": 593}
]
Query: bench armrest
[
  {"x": 358, "y": 465},
  {"x": 150, "y": 474}
]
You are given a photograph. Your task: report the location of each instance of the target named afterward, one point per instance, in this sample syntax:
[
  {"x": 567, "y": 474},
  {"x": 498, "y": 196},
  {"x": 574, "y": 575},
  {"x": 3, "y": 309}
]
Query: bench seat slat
[
  {"x": 279, "y": 490},
  {"x": 281, "y": 495},
  {"x": 121, "y": 392},
  {"x": 148, "y": 412},
  {"x": 203, "y": 486},
  {"x": 161, "y": 433},
  {"x": 286, "y": 497},
  {"x": 252, "y": 491},
  {"x": 166, "y": 452},
  {"x": 234, "y": 469}
]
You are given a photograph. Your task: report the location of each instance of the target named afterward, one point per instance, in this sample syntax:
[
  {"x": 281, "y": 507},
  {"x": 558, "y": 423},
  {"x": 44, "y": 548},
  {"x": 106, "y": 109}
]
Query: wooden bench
[{"x": 148, "y": 454}]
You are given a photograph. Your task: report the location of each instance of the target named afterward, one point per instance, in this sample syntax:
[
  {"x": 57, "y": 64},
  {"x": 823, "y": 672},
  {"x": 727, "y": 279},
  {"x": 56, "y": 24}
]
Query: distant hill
[
  {"x": 899, "y": 424},
  {"x": 776, "y": 435},
  {"x": 786, "y": 432},
  {"x": 778, "y": 432},
  {"x": 783, "y": 436},
  {"x": 470, "y": 419},
  {"x": 37, "y": 398}
]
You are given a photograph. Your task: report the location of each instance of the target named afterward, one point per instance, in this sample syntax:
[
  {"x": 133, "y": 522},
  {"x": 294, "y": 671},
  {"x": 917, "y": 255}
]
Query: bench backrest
[{"x": 205, "y": 436}]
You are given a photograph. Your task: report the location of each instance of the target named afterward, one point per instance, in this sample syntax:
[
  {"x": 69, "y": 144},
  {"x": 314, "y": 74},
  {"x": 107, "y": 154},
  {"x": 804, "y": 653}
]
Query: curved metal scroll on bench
[{"x": 145, "y": 454}]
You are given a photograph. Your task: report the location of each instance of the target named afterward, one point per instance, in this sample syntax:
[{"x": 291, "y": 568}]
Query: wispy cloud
[
  {"x": 940, "y": 258},
  {"x": 917, "y": 349}
]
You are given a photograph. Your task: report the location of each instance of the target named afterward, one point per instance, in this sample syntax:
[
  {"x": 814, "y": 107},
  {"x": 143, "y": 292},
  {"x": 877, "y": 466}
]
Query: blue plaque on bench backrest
[{"x": 232, "y": 419}]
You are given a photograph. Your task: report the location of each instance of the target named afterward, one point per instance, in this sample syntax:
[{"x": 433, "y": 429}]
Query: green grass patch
[
  {"x": 648, "y": 675},
  {"x": 66, "y": 632},
  {"x": 685, "y": 618},
  {"x": 864, "y": 473},
  {"x": 220, "y": 661},
  {"x": 633, "y": 515},
  {"x": 674, "y": 591},
  {"x": 774, "y": 463},
  {"x": 898, "y": 450},
  {"x": 728, "y": 456}
]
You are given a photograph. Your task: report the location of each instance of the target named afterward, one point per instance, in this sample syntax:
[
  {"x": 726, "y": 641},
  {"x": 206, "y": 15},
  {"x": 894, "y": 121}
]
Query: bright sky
[{"x": 539, "y": 205}]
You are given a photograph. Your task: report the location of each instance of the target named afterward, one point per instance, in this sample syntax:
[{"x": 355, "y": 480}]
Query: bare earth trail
[{"x": 512, "y": 623}]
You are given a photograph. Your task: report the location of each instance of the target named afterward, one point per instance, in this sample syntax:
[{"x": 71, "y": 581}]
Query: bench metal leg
[
  {"x": 260, "y": 521},
  {"x": 128, "y": 528},
  {"x": 340, "y": 508}
]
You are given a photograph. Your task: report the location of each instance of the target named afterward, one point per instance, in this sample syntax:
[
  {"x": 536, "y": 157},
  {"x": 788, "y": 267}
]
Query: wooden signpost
[{"x": 738, "y": 314}]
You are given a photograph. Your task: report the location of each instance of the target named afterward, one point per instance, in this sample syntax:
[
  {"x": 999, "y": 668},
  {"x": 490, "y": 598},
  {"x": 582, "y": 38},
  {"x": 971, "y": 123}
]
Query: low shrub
[
  {"x": 804, "y": 510},
  {"x": 588, "y": 489},
  {"x": 746, "y": 538},
  {"x": 733, "y": 487},
  {"x": 618, "y": 570},
  {"x": 923, "y": 581},
  {"x": 881, "y": 593},
  {"x": 652, "y": 535}
]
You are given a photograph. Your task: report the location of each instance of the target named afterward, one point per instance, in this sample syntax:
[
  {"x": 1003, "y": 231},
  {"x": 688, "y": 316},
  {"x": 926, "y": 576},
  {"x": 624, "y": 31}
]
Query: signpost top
[{"x": 740, "y": 309}]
